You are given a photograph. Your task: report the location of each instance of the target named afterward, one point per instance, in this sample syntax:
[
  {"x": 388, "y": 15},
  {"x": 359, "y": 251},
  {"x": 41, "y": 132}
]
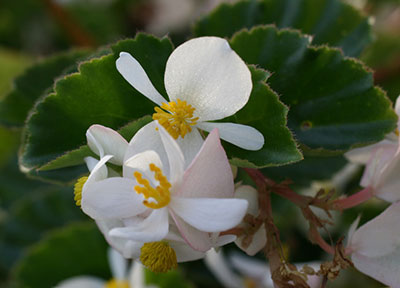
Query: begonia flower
[
  {"x": 205, "y": 81},
  {"x": 198, "y": 199},
  {"x": 375, "y": 246},
  {"x": 382, "y": 162}
]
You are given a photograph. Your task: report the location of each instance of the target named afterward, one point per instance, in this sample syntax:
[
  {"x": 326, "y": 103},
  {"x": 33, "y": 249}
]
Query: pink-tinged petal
[
  {"x": 210, "y": 76},
  {"x": 243, "y": 136},
  {"x": 175, "y": 156},
  {"x": 134, "y": 73},
  {"x": 197, "y": 240},
  {"x": 141, "y": 163},
  {"x": 363, "y": 155},
  {"x": 380, "y": 236},
  {"x": 209, "y": 175},
  {"x": 388, "y": 187},
  {"x": 250, "y": 194},
  {"x": 210, "y": 214},
  {"x": 190, "y": 145},
  {"x": 352, "y": 229},
  {"x": 397, "y": 109},
  {"x": 147, "y": 138},
  {"x": 184, "y": 252},
  {"x": 257, "y": 243},
  {"x": 152, "y": 228},
  {"x": 223, "y": 240},
  {"x": 105, "y": 141},
  {"x": 112, "y": 198},
  {"x": 82, "y": 282}
]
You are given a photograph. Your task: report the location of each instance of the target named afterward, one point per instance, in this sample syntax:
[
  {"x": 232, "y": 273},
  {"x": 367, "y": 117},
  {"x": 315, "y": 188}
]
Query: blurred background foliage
[{"x": 39, "y": 220}]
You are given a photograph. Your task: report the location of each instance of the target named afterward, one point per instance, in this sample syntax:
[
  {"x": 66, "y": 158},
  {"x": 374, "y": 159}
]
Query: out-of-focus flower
[
  {"x": 205, "y": 81},
  {"x": 252, "y": 272},
  {"x": 375, "y": 246},
  {"x": 254, "y": 237},
  {"x": 382, "y": 162},
  {"x": 122, "y": 276}
]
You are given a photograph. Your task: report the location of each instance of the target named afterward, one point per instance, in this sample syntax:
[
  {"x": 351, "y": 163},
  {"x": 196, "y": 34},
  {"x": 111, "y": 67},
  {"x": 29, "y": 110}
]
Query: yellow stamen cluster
[
  {"x": 397, "y": 132},
  {"x": 78, "y": 190},
  {"x": 159, "y": 257},
  {"x": 179, "y": 118},
  {"x": 114, "y": 283},
  {"x": 161, "y": 193}
]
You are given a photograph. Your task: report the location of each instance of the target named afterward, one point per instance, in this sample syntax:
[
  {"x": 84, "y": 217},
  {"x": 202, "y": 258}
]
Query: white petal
[
  {"x": 141, "y": 163},
  {"x": 99, "y": 171},
  {"x": 105, "y": 226},
  {"x": 352, "y": 229},
  {"x": 210, "y": 76},
  {"x": 112, "y": 198},
  {"x": 257, "y": 244},
  {"x": 90, "y": 162},
  {"x": 118, "y": 264},
  {"x": 243, "y": 136},
  {"x": 175, "y": 155},
  {"x": 224, "y": 240},
  {"x": 389, "y": 182},
  {"x": 136, "y": 277},
  {"x": 190, "y": 145},
  {"x": 209, "y": 175},
  {"x": 82, "y": 282},
  {"x": 185, "y": 253},
  {"x": 105, "y": 141},
  {"x": 152, "y": 228},
  {"x": 250, "y": 194},
  {"x": 252, "y": 268},
  {"x": 134, "y": 73},
  {"x": 210, "y": 214},
  {"x": 380, "y": 236},
  {"x": 147, "y": 138},
  {"x": 196, "y": 239},
  {"x": 397, "y": 109}
]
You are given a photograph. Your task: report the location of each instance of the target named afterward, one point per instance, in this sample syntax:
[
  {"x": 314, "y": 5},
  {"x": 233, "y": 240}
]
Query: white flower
[
  {"x": 382, "y": 162},
  {"x": 258, "y": 238},
  {"x": 122, "y": 277},
  {"x": 205, "y": 81},
  {"x": 156, "y": 187},
  {"x": 375, "y": 246}
]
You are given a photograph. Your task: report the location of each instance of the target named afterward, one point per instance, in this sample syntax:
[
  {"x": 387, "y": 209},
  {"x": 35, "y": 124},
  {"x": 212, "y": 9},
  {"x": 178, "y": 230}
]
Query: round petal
[
  {"x": 105, "y": 141},
  {"x": 153, "y": 228},
  {"x": 210, "y": 214},
  {"x": 134, "y": 73},
  {"x": 141, "y": 163},
  {"x": 99, "y": 171},
  {"x": 243, "y": 136},
  {"x": 112, "y": 198},
  {"x": 250, "y": 194},
  {"x": 190, "y": 145},
  {"x": 210, "y": 76},
  {"x": 209, "y": 175},
  {"x": 82, "y": 282}
]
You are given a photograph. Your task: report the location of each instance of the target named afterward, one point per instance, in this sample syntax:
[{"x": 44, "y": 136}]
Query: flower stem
[{"x": 353, "y": 200}]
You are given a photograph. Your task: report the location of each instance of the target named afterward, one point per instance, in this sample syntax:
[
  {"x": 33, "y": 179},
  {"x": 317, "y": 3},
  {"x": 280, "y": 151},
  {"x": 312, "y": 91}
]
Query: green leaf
[
  {"x": 333, "y": 103},
  {"x": 267, "y": 114},
  {"x": 31, "y": 85},
  {"x": 329, "y": 21},
  {"x": 96, "y": 95},
  {"x": 76, "y": 250},
  {"x": 172, "y": 278},
  {"x": 30, "y": 217}
]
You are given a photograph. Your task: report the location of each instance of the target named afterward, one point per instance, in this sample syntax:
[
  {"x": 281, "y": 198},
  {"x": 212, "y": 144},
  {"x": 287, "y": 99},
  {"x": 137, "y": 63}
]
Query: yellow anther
[
  {"x": 161, "y": 193},
  {"x": 78, "y": 190},
  {"x": 179, "y": 118},
  {"x": 159, "y": 257},
  {"x": 114, "y": 283},
  {"x": 397, "y": 131}
]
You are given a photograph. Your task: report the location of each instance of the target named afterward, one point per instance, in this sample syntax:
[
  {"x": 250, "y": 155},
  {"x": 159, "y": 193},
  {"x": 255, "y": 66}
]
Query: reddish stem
[{"x": 354, "y": 200}]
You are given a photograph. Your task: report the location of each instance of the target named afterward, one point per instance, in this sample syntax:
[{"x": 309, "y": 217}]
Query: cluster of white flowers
[
  {"x": 375, "y": 246},
  {"x": 175, "y": 193}
]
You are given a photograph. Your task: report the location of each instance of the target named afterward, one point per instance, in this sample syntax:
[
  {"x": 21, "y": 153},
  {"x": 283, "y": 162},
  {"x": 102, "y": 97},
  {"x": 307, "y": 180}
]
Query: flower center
[
  {"x": 159, "y": 257},
  {"x": 179, "y": 118},
  {"x": 161, "y": 193},
  {"x": 78, "y": 190},
  {"x": 114, "y": 283}
]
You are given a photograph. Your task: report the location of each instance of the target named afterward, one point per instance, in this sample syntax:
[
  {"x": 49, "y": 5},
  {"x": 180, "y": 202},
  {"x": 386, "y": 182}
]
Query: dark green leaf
[
  {"x": 332, "y": 100},
  {"x": 76, "y": 250},
  {"x": 329, "y": 21}
]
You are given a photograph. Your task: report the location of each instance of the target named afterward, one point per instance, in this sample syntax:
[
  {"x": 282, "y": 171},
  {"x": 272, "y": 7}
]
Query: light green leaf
[
  {"x": 333, "y": 104},
  {"x": 78, "y": 249},
  {"x": 329, "y": 21},
  {"x": 34, "y": 83}
]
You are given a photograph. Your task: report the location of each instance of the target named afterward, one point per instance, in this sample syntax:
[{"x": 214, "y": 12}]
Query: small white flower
[
  {"x": 375, "y": 246},
  {"x": 382, "y": 162},
  {"x": 156, "y": 185},
  {"x": 205, "y": 81}
]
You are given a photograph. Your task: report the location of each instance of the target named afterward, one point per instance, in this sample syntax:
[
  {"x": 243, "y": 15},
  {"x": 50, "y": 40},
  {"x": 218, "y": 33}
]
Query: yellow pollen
[
  {"x": 159, "y": 257},
  {"x": 397, "y": 132},
  {"x": 179, "y": 118},
  {"x": 78, "y": 190},
  {"x": 161, "y": 193},
  {"x": 114, "y": 283}
]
